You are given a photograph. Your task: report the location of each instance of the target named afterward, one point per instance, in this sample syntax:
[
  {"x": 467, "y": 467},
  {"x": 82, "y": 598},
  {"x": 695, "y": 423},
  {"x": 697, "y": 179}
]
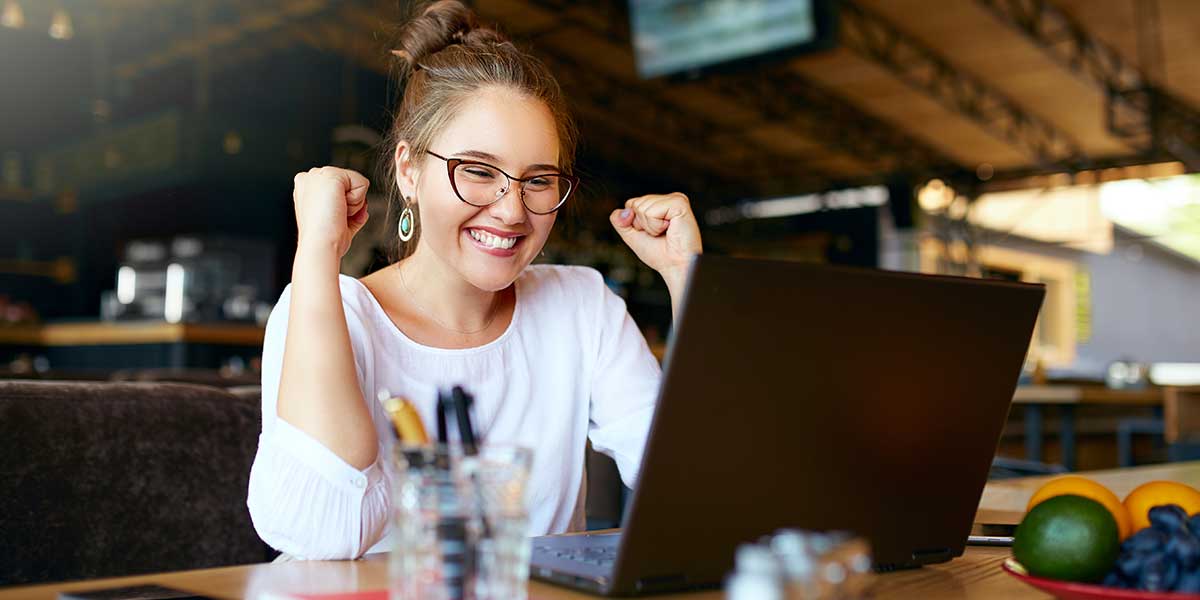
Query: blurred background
[{"x": 148, "y": 148}]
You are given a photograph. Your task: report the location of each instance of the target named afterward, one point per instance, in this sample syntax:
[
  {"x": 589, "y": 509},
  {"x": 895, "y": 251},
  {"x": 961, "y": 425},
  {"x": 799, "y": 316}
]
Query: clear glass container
[{"x": 461, "y": 523}]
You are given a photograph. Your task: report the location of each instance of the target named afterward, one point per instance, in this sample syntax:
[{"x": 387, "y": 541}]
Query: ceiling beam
[
  {"x": 788, "y": 99},
  {"x": 1145, "y": 115},
  {"x": 699, "y": 134},
  {"x": 922, "y": 69},
  {"x": 331, "y": 36},
  {"x": 252, "y": 23},
  {"x": 1004, "y": 179},
  {"x": 725, "y": 156},
  {"x": 639, "y": 149}
]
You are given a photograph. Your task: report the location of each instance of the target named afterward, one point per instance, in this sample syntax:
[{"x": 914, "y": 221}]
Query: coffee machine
[{"x": 190, "y": 279}]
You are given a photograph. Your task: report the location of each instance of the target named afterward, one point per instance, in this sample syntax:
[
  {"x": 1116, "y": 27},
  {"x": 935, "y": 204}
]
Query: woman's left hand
[{"x": 662, "y": 231}]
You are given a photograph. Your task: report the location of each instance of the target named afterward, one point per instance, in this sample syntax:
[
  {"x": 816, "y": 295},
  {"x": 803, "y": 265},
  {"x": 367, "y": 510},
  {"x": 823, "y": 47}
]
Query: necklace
[{"x": 429, "y": 314}]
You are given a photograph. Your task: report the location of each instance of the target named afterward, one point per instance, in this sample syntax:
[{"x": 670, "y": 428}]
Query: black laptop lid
[{"x": 805, "y": 396}]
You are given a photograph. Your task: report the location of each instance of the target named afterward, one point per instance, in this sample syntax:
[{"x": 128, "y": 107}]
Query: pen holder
[{"x": 461, "y": 523}]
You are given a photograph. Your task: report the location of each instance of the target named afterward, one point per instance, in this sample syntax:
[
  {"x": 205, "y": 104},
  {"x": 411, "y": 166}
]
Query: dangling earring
[{"x": 407, "y": 224}]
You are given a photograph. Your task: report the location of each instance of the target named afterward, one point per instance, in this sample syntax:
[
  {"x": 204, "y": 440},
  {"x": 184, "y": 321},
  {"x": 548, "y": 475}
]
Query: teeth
[{"x": 492, "y": 241}]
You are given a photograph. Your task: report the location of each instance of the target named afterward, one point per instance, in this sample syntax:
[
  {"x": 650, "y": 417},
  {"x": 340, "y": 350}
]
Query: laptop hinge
[
  {"x": 935, "y": 555},
  {"x": 661, "y": 583}
]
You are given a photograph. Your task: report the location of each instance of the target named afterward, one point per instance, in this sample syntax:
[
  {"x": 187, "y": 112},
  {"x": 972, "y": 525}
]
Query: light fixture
[
  {"x": 12, "y": 16},
  {"x": 1178, "y": 374},
  {"x": 60, "y": 25},
  {"x": 935, "y": 196},
  {"x": 232, "y": 142},
  {"x": 126, "y": 285},
  {"x": 173, "y": 309}
]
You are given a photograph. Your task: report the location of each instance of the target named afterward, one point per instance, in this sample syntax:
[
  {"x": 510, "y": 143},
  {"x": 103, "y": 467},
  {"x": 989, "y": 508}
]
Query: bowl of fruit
[{"x": 1079, "y": 541}]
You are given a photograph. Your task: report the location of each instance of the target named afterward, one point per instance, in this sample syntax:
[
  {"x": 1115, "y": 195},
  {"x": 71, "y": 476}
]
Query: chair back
[{"x": 105, "y": 479}]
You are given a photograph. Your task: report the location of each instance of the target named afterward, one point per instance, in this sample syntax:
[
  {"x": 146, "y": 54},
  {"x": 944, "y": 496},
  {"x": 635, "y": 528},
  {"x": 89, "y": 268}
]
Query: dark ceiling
[{"x": 978, "y": 90}]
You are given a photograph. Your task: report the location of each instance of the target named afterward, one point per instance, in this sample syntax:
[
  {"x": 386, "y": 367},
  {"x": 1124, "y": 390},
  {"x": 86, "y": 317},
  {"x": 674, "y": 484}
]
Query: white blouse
[{"x": 572, "y": 365}]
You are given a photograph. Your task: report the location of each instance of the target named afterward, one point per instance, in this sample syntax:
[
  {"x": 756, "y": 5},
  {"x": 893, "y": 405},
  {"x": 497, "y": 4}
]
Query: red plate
[{"x": 1066, "y": 590}]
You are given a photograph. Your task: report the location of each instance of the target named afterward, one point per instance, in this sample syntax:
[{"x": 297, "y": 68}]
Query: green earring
[{"x": 407, "y": 225}]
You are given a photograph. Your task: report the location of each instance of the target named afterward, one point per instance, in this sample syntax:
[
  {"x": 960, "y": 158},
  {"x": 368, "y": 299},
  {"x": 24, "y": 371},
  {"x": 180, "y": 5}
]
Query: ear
[{"x": 407, "y": 171}]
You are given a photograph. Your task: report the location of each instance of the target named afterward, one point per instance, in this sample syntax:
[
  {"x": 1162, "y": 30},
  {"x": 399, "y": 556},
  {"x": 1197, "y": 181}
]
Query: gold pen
[{"x": 405, "y": 419}]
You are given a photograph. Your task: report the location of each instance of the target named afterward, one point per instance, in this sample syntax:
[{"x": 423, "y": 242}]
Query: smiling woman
[{"x": 481, "y": 156}]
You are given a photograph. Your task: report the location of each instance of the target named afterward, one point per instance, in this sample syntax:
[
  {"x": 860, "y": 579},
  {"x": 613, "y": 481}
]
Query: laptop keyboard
[{"x": 601, "y": 557}]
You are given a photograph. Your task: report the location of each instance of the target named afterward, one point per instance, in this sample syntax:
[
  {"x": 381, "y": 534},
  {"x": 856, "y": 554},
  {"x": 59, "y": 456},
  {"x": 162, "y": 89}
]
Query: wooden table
[
  {"x": 1004, "y": 501},
  {"x": 976, "y": 575},
  {"x": 1065, "y": 398}
]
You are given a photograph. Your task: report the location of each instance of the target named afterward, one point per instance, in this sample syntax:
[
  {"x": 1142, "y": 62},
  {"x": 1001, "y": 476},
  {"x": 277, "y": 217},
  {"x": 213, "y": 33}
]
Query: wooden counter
[
  {"x": 132, "y": 344},
  {"x": 132, "y": 332}
]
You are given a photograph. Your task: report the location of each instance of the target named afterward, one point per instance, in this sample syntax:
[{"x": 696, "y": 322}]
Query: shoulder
[
  {"x": 357, "y": 302},
  {"x": 559, "y": 281},
  {"x": 571, "y": 277},
  {"x": 357, "y": 297}
]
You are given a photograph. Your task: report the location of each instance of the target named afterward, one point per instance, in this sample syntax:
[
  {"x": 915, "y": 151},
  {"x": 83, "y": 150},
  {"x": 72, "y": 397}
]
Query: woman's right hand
[{"x": 331, "y": 207}]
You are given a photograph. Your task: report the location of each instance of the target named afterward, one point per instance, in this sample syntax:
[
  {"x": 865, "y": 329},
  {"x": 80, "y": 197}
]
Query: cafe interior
[{"x": 148, "y": 229}]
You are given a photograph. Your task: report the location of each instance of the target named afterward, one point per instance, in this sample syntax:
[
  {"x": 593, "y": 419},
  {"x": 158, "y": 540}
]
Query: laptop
[{"x": 812, "y": 397}]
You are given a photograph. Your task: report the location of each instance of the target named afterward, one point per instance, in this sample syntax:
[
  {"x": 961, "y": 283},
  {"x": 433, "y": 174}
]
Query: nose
[{"x": 508, "y": 207}]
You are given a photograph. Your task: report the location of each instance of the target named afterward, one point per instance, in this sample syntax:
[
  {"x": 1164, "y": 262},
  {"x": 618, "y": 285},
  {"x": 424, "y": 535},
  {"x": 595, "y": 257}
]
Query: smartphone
[
  {"x": 139, "y": 592},
  {"x": 991, "y": 534}
]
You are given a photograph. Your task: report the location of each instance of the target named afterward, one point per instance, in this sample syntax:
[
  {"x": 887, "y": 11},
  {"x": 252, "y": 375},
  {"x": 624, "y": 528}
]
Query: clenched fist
[
  {"x": 331, "y": 207},
  {"x": 661, "y": 230}
]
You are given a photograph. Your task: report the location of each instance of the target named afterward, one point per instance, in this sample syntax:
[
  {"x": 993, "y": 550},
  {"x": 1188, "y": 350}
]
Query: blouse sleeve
[
  {"x": 303, "y": 498},
  {"x": 624, "y": 386}
]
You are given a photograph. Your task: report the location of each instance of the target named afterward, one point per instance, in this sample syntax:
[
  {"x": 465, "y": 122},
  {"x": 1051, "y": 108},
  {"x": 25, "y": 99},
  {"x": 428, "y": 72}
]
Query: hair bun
[{"x": 440, "y": 25}]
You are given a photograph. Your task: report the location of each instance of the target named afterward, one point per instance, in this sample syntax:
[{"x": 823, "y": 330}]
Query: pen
[
  {"x": 405, "y": 419},
  {"x": 443, "y": 436},
  {"x": 466, "y": 431},
  {"x": 461, "y": 402}
]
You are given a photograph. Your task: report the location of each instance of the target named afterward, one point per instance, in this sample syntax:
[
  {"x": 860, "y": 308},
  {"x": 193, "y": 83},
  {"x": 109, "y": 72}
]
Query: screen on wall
[{"x": 689, "y": 36}]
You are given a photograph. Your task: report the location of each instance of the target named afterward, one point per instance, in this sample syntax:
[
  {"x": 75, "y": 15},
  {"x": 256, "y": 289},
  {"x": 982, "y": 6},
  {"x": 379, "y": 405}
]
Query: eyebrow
[{"x": 481, "y": 155}]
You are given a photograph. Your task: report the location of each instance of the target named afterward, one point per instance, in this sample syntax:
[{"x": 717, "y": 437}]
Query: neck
[{"x": 444, "y": 295}]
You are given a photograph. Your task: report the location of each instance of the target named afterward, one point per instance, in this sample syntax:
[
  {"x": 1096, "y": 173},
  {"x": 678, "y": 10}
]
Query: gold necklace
[{"x": 429, "y": 314}]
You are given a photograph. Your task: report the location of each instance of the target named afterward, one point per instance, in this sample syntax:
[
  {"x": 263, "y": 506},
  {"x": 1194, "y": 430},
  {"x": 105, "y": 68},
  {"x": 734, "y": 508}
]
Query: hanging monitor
[{"x": 691, "y": 36}]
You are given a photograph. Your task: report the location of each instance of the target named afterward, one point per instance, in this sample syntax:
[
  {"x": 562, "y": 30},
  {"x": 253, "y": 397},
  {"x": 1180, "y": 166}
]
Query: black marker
[{"x": 466, "y": 431}]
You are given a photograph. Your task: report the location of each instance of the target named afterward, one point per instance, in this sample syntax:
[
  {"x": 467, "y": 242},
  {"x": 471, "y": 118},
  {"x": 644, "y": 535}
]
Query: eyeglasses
[{"x": 480, "y": 184}]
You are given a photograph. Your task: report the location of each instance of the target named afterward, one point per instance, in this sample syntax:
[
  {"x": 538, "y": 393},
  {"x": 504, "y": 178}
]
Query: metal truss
[
  {"x": 1002, "y": 179},
  {"x": 788, "y": 99},
  {"x": 920, "y": 67},
  {"x": 1144, "y": 115},
  {"x": 699, "y": 132}
]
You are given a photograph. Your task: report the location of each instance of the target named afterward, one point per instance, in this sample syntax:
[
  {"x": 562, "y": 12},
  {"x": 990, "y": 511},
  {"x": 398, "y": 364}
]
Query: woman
[{"x": 482, "y": 151}]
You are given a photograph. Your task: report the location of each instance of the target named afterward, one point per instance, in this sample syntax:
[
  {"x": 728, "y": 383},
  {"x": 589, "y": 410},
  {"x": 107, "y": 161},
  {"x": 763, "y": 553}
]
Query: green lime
[{"x": 1070, "y": 538}]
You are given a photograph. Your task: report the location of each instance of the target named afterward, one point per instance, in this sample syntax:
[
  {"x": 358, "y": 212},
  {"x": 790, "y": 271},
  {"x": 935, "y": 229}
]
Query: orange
[
  {"x": 1159, "y": 493},
  {"x": 1082, "y": 486}
]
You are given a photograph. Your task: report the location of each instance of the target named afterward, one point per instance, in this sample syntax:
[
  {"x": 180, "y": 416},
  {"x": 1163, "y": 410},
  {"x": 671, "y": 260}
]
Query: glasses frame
[{"x": 453, "y": 163}]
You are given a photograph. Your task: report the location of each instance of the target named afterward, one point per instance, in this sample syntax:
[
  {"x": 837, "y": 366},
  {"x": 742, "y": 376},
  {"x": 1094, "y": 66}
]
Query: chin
[
  {"x": 492, "y": 279},
  {"x": 494, "y": 271}
]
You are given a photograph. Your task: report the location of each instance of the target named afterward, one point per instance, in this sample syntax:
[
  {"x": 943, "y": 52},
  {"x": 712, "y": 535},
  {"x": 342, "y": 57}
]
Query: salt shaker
[{"x": 758, "y": 575}]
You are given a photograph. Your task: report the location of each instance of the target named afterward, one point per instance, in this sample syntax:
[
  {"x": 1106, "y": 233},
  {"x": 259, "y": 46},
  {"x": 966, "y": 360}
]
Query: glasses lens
[
  {"x": 479, "y": 184},
  {"x": 545, "y": 192}
]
